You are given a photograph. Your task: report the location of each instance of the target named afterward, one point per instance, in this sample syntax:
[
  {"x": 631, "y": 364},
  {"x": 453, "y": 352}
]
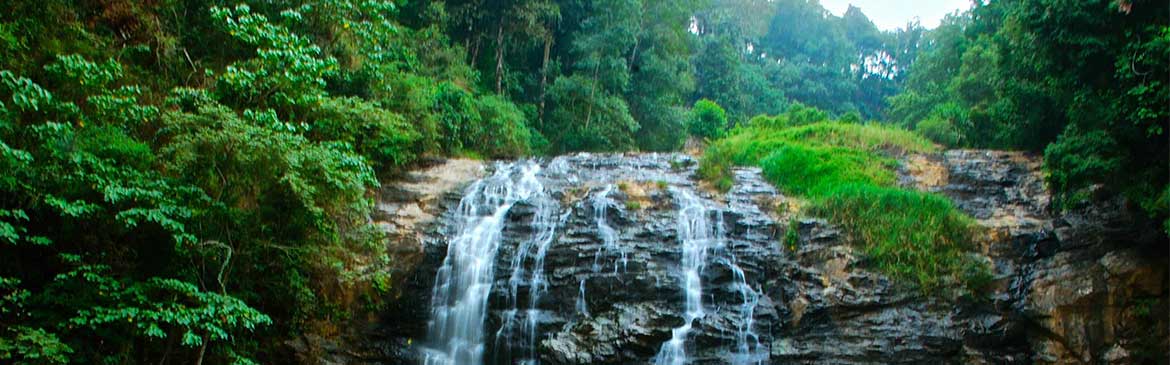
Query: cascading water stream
[
  {"x": 545, "y": 224},
  {"x": 582, "y": 306},
  {"x": 464, "y": 281},
  {"x": 609, "y": 237},
  {"x": 697, "y": 235},
  {"x": 748, "y": 350}
]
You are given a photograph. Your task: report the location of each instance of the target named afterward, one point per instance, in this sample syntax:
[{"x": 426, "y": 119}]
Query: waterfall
[
  {"x": 748, "y": 350},
  {"x": 535, "y": 248},
  {"x": 536, "y": 268},
  {"x": 582, "y": 306},
  {"x": 609, "y": 237},
  {"x": 464, "y": 281},
  {"x": 697, "y": 235}
]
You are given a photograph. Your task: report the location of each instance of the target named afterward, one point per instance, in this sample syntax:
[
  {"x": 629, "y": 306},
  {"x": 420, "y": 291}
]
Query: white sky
[{"x": 893, "y": 14}]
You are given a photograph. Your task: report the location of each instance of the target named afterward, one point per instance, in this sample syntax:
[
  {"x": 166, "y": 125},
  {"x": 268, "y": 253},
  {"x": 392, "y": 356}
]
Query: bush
[
  {"x": 708, "y": 120},
  {"x": 715, "y": 167},
  {"x": 384, "y": 138},
  {"x": 1077, "y": 160},
  {"x": 799, "y": 115},
  {"x": 504, "y": 131},
  {"x": 852, "y": 117},
  {"x": 458, "y": 118},
  {"x": 939, "y": 130}
]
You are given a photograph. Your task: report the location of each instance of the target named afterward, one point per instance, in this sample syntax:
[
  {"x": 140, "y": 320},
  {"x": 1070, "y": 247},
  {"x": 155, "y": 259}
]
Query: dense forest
[{"x": 190, "y": 181}]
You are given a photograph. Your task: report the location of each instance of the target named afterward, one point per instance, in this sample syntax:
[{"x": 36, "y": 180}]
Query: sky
[{"x": 893, "y": 14}]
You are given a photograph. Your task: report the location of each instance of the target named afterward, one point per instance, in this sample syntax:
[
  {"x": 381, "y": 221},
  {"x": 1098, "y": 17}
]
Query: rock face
[
  {"x": 1085, "y": 286},
  {"x": 611, "y": 286}
]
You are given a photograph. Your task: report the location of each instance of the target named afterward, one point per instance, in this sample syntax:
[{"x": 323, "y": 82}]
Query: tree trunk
[
  {"x": 548, "y": 39},
  {"x": 202, "y": 351},
  {"x": 634, "y": 54},
  {"x": 637, "y": 39},
  {"x": 592, "y": 93},
  {"x": 475, "y": 50},
  {"x": 500, "y": 58}
]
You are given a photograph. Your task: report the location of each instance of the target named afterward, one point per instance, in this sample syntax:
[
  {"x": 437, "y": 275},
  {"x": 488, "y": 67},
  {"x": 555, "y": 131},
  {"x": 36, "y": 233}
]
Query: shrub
[
  {"x": 939, "y": 130},
  {"x": 1076, "y": 160},
  {"x": 458, "y": 118},
  {"x": 715, "y": 167},
  {"x": 799, "y": 114},
  {"x": 384, "y": 138},
  {"x": 852, "y": 117},
  {"x": 504, "y": 131},
  {"x": 708, "y": 120}
]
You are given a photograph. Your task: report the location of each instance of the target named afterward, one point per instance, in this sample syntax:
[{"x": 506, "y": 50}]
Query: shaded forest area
[{"x": 189, "y": 181}]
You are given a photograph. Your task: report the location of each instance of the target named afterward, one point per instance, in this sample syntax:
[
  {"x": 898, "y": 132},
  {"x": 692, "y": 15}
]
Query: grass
[
  {"x": 906, "y": 234},
  {"x": 846, "y": 171}
]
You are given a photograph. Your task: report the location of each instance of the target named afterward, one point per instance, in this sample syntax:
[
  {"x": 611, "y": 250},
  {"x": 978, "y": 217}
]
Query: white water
[
  {"x": 464, "y": 281},
  {"x": 697, "y": 235},
  {"x": 748, "y": 350},
  {"x": 582, "y": 306},
  {"x": 609, "y": 237},
  {"x": 534, "y": 249}
]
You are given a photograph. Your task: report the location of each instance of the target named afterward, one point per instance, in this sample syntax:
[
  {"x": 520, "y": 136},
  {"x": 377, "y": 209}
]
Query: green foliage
[
  {"x": 755, "y": 56},
  {"x": 504, "y": 132},
  {"x": 715, "y": 167},
  {"x": 458, "y": 118},
  {"x": 288, "y": 69},
  {"x": 791, "y": 238},
  {"x": 24, "y": 345},
  {"x": 797, "y": 114},
  {"x": 385, "y": 138},
  {"x": 707, "y": 120},
  {"x": 940, "y": 130},
  {"x": 748, "y": 146},
  {"x": 265, "y": 163},
  {"x": 607, "y": 124},
  {"x": 157, "y": 308},
  {"x": 1076, "y": 160}
]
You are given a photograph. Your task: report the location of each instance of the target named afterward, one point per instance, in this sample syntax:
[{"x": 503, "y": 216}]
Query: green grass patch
[
  {"x": 846, "y": 171},
  {"x": 906, "y": 234},
  {"x": 804, "y": 170}
]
